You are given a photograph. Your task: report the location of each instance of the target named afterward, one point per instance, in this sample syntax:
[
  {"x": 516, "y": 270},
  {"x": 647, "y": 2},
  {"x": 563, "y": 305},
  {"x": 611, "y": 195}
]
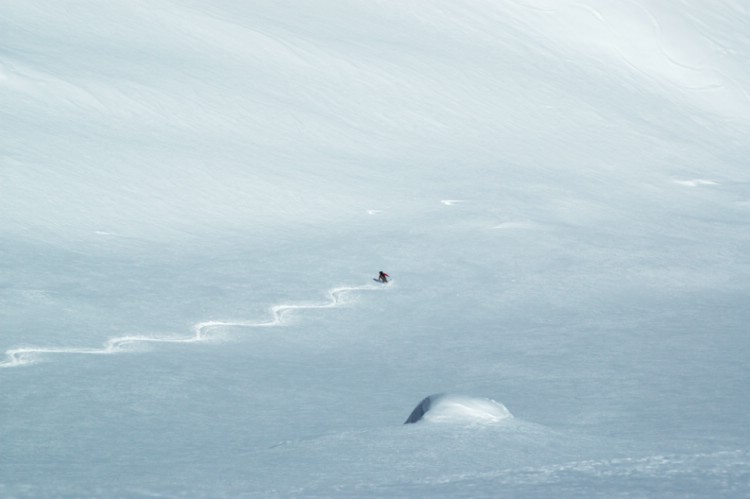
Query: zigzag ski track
[{"x": 21, "y": 356}]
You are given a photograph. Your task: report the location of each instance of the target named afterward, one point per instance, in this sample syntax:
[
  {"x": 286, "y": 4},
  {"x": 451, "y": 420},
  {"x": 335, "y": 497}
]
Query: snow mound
[{"x": 444, "y": 408}]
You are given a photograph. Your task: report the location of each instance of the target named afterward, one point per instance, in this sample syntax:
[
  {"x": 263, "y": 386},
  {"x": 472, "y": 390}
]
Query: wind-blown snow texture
[{"x": 206, "y": 189}]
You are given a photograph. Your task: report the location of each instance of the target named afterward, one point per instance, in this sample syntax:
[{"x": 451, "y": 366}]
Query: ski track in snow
[{"x": 29, "y": 355}]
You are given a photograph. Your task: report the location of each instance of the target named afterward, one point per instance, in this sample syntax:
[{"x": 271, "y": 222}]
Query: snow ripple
[
  {"x": 695, "y": 182},
  {"x": 28, "y": 355}
]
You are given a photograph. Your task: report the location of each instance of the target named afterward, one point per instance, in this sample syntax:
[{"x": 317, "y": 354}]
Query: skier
[{"x": 383, "y": 277}]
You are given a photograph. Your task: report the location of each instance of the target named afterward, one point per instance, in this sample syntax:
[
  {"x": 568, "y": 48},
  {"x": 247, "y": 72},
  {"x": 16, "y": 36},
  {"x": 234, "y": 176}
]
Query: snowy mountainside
[
  {"x": 169, "y": 102},
  {"x": 194, "y": 198}
]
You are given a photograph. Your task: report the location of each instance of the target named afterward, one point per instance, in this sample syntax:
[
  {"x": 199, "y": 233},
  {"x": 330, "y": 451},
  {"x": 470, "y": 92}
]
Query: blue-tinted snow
[{"x": 195, "y": 197}]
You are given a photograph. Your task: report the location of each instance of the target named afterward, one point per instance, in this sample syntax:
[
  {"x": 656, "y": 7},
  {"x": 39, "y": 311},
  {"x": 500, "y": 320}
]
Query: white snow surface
[
  {"x": 447, "y": 408},
  {"x": 196, "y": 196}
]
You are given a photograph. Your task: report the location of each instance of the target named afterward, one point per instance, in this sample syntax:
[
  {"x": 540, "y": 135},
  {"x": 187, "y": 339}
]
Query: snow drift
[{"x": 446, "y": 408}]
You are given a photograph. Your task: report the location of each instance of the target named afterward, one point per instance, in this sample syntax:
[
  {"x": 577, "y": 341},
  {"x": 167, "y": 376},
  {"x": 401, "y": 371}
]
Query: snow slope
[{"x": 195, "y": 196}]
